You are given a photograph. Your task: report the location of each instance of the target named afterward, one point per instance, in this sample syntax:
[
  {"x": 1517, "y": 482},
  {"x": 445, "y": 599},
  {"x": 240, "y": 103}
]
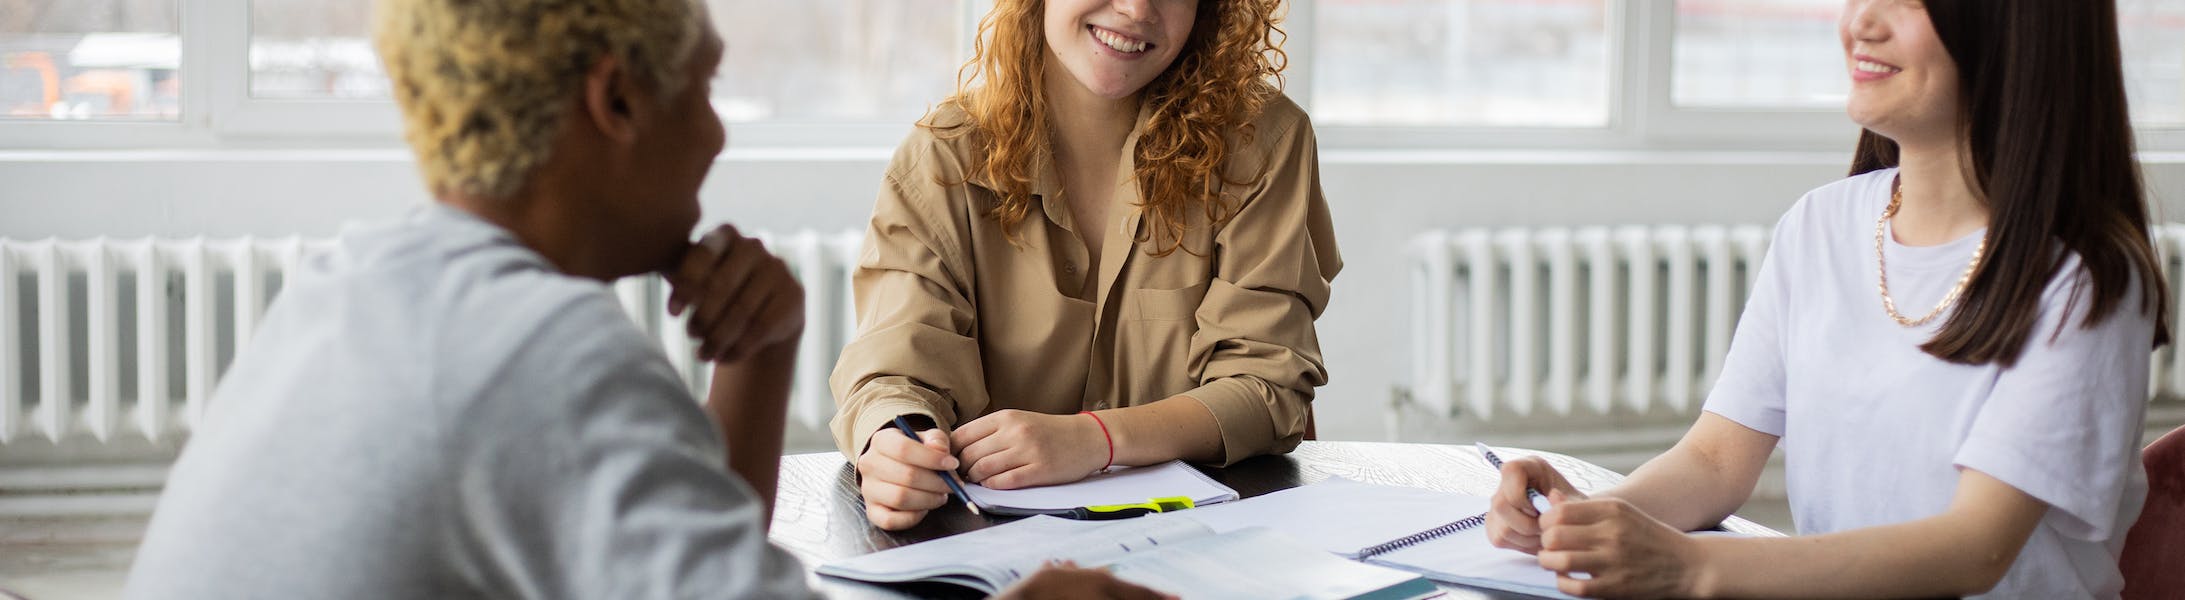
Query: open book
[
  {"x": 1120, "y": 485},
  {"x": 1171, "y": 555}
]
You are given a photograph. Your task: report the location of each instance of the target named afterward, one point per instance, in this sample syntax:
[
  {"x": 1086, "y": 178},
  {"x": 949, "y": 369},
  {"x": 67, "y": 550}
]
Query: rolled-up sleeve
[
  {"x": 914, "y": 352},
  {"x": 1256, "y": 355}
]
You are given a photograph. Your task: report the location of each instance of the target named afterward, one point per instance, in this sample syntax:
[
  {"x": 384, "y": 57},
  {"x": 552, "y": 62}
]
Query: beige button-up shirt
[{"x": 955, "y": 321}]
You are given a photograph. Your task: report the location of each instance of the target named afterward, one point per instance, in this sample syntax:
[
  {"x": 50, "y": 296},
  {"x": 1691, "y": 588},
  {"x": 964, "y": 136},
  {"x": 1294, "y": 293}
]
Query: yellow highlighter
[{"x": 1125, "y": 511}]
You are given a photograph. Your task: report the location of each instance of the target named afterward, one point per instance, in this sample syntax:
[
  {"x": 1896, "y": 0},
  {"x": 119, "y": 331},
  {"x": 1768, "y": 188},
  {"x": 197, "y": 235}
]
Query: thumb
[
  {"x": 1545, "y": 478},
  {"x": 718, "y": 240},
  {"x": 935, "y": 439}
]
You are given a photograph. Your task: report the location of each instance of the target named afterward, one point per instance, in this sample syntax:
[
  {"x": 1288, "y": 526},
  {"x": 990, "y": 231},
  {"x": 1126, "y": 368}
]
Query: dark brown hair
[{"x": 2049, "y": 143}]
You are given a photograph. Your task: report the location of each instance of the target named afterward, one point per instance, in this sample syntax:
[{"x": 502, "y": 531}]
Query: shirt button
[
  {"x": 1069, "y": 268},
  {"x": 1101, "y": 405}
]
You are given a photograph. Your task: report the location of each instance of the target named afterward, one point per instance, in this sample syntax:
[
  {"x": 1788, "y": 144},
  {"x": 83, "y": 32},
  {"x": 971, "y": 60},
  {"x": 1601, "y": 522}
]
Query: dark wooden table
[{"x": 819, "y": 516}]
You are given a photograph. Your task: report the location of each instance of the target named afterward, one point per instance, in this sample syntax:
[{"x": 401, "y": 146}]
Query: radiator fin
[
  {"x": 63, "y": 305},
  {"x": 1605, "y": 320}
]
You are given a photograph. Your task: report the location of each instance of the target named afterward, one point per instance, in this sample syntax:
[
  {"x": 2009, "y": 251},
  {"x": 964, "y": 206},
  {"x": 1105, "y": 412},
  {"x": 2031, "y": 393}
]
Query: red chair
[{"x": 2154, "y": 551}]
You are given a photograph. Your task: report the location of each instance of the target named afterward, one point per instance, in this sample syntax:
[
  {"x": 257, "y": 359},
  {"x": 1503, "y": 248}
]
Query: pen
[
  {"x": 946, "y": 475},
  {"x": 1540, "y": 502}
]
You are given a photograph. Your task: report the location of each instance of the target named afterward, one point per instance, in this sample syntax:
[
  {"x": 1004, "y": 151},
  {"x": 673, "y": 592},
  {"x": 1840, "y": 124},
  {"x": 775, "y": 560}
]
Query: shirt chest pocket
[{"x": 1166, "y": 305}]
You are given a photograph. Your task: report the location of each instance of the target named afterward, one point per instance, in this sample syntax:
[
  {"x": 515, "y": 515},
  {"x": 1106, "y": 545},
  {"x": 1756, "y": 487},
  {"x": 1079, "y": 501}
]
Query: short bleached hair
[{"x": 483, "y": 83}]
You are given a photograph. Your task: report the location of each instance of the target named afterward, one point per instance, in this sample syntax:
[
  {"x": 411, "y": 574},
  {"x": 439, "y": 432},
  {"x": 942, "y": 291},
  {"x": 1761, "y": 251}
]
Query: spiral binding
[{"x": 1409, "y": 540}]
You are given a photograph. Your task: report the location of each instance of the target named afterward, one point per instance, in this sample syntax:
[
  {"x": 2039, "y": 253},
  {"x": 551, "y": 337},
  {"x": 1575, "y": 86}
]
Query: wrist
[
  {"x": 1702, "y": 579},
  {"x": 1106, "y": 437},
  {"x": 918, "y": 422}
]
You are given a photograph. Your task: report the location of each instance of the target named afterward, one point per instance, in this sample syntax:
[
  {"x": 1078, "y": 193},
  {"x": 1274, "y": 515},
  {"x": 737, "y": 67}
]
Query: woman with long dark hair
[{"x": 1951, "y": 345}]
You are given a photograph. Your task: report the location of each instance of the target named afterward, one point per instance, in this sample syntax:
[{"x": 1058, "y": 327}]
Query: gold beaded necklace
[{"x": 1896, "y": 200}]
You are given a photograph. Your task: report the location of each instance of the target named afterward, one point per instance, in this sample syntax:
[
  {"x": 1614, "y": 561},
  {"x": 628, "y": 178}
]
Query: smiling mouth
[
  {"x": 1118, "y": 42},
  {"x": 1868, "y": 66}
]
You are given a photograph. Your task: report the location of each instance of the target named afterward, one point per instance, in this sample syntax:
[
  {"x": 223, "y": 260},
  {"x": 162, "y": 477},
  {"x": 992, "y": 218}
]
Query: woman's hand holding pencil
[
  {"x": 900, "y": 477},
  {"x": 1513, "y": 518}
]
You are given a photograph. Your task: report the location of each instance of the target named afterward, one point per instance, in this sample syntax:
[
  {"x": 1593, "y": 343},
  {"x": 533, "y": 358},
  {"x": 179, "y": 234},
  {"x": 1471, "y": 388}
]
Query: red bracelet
[{"x": 1104, "y": 435}]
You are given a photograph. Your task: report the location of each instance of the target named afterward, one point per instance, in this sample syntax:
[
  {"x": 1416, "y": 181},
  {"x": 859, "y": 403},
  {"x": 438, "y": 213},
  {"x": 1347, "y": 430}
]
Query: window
[
  {"x": 1501, "y": 63},
  {"x": 2153, "y": 33},
  {"x": 313, "y": 49},
  {"x": 90, "y": 59},
  {"x": 1784, "y": 54},
  {"x": 1758, "y": 54},
  {"x": 1595, "y": 74},
  {"x": 856, "y": 60},
  {"x": 809, "y": 60}
]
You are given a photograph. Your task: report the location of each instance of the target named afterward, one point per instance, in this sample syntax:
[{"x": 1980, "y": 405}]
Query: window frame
[{"x": 219, "y": 111}]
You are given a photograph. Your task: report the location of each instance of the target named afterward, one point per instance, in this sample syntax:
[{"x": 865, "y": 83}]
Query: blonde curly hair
[
  {"x": 1227, "y": 72},
  {"x": 483, "y": 83}
]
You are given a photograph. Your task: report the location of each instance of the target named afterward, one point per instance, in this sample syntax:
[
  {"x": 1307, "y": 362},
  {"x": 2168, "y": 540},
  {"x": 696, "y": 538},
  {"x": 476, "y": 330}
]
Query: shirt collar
[{"x": 1047, "y": 184}]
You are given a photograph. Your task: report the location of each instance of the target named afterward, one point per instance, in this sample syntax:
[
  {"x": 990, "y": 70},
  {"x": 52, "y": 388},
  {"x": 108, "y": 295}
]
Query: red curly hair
[{"x": 1226, "y": 73}]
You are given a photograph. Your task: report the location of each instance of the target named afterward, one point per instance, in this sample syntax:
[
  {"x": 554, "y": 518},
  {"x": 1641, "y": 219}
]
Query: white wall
[{"x": 1379, "y": 198}]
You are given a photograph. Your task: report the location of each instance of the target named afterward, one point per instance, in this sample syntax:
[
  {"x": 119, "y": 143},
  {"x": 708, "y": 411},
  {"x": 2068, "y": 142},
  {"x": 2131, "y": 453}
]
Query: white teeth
[
  {"x": 1117, "y": 42},
  {"x": 1875, "y": 67}
]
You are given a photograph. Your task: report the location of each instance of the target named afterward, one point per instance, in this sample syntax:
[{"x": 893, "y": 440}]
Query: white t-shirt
[
  {"x": 1874, "y": 430},
  {"x": 432, "y": 411}
]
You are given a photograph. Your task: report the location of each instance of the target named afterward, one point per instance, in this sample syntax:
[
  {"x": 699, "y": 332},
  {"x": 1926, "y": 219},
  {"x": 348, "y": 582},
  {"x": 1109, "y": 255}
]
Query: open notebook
[
  {"x": 1121, "y": 485},
  {"x": 1174, "y": 556},
  {"x": 1436, "y": 534}
]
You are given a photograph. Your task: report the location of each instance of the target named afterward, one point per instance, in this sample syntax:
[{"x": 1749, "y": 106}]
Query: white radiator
[
  {"x": 1599, "y": 321},
  {"x": 112, "y": 362}
]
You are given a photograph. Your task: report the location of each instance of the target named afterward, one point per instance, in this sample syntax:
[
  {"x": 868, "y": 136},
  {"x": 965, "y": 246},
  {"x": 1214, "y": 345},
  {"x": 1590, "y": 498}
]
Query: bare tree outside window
[
  {"x": 90, "y": 59},
  {"x": 308, "y": 49}
]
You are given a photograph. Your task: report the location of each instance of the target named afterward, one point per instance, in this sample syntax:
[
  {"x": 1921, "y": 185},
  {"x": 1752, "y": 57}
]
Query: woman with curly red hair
[{"x": 1108, "y": 248}]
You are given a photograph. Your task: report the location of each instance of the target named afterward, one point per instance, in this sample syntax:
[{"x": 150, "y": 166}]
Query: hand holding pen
[
  {"x": 902, "y": 475},
  {"x": 948, "y": 476},
  {"x": 1513, "y": 514}
]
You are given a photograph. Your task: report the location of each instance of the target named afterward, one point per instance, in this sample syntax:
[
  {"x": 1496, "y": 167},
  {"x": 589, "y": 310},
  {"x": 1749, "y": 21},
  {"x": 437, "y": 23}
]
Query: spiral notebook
[{"x": 1436, "y": 534}]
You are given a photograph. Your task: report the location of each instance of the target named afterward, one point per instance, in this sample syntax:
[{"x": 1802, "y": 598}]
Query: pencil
[
  {"x": 946, "y": 475},
  {"x": 1540, "y": 502}
]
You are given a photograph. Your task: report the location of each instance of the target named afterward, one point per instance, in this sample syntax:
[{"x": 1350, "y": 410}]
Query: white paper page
[
  {"x": 1257, "y": 563},
  {"x": 1466, "y": 557},
  {"x": 1119, "y": 486},
  {"x": 1342, "y": 516},
  {"x": 1002, "y": 554}
]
